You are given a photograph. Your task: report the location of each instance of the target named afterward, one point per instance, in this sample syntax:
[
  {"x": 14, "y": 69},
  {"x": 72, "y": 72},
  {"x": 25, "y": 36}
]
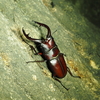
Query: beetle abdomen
[{"x": 57, "y": 66}]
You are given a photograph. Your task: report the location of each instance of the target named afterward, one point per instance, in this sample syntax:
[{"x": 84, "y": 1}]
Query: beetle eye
[{"x": 48, "y": 39}]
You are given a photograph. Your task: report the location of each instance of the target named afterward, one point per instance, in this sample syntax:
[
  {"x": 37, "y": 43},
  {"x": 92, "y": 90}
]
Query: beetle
[{"x": 51, "y": 54}]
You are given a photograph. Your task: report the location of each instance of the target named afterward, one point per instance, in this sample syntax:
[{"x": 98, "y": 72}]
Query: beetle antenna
[{"x": 54, "y": 31}]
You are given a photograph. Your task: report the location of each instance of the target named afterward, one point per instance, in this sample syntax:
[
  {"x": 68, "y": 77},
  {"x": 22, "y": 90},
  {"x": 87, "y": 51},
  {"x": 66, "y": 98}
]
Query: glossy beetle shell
[
  {"x": 51, "y": 54},
  {"x": 58, "y": 66}
]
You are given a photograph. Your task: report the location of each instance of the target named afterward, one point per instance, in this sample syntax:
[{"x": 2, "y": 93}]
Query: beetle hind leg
[
  {"x": 59, "y": 82},
  {"x": 72, "y": 74},
  {"x": 63, "y": 54}
]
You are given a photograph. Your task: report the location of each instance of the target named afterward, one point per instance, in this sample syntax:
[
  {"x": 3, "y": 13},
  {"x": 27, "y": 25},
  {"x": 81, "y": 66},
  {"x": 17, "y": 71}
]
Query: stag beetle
[{"x": 51, "y": 54}]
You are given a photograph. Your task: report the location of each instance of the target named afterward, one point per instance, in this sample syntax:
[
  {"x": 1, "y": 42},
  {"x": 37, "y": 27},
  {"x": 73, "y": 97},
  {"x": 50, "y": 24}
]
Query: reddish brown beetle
[{"x": 49, "y": 51}]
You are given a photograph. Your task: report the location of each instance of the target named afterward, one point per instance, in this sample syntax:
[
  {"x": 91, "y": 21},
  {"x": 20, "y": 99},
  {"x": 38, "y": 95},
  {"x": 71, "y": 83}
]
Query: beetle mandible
[{"x": 51, "y": 54}]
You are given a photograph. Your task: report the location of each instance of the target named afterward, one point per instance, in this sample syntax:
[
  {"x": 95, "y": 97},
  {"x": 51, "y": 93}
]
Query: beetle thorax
[{"x": 47, "y": 44}]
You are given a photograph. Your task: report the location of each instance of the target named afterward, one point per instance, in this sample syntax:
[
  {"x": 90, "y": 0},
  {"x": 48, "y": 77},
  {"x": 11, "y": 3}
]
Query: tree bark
[{"x": 76, "y": 37}]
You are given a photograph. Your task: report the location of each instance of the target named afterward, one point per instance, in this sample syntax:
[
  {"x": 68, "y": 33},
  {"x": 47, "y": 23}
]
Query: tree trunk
[{"x": 76, "y": 37}]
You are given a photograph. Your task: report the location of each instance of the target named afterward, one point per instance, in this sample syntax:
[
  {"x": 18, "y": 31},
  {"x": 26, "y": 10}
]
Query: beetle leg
[
  {"x": 59, "y": 82},
  {"x": 33, "y": 49},
  {"x": 36, "y": 61},
  {"x": 63, "y": 54},
  {"x": 36, "y": 53},
  {"x": 72, "y": 74}
]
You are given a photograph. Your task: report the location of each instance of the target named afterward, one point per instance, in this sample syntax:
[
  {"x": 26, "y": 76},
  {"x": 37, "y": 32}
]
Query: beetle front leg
[
  {"x": 36, "y": 53},
  {"x": 33, "y": 49}
]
